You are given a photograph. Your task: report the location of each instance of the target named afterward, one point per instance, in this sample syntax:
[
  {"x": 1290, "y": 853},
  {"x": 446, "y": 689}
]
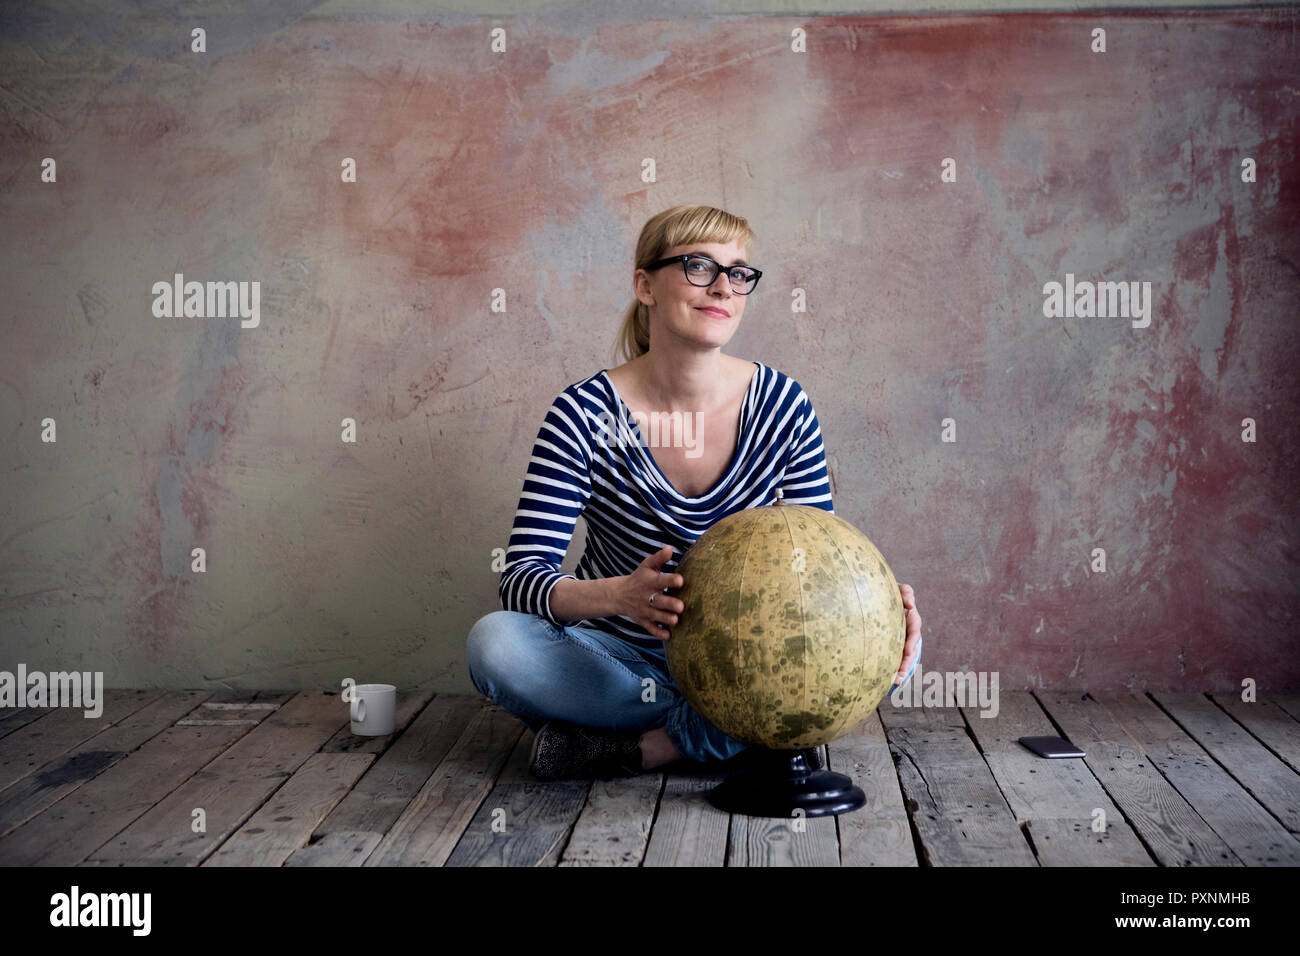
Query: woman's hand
[
  {"x": 912, "y": 646},
  {"x": 633, "y": 593}
]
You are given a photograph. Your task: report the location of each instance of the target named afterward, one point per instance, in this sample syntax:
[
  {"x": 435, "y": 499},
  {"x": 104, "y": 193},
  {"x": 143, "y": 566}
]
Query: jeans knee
[{"x": 484, "y": 646}]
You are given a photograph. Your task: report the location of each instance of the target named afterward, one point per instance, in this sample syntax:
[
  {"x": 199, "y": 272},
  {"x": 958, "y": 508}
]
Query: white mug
[{"x": 374, "y": 709}]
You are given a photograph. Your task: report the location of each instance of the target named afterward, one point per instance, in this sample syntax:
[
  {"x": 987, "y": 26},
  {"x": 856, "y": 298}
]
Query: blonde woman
[{"x": 580, "y": 658}]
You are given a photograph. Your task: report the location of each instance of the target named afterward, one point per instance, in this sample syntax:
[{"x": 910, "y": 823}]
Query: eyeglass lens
[{"x": 703, "y": 271}]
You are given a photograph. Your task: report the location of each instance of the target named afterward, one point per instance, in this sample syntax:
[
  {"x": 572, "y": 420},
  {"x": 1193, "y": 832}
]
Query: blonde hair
[{"x": 678, "y": 226}]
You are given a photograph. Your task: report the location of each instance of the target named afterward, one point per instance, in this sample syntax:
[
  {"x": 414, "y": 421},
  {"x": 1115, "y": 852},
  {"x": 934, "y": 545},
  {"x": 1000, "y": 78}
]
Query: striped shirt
[{"x": 590, "y": 458}]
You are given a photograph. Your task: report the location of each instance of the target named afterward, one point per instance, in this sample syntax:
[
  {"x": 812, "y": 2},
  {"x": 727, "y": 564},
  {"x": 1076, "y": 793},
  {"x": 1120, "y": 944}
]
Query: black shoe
[{"x": 564, "y": 751}]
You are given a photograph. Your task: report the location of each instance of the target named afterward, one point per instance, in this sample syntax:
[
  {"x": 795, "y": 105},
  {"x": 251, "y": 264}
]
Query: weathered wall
[{"x": 522, "y": 171}]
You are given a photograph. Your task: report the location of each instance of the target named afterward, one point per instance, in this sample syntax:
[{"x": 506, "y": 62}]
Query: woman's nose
[{"x": 725, "y": 279}]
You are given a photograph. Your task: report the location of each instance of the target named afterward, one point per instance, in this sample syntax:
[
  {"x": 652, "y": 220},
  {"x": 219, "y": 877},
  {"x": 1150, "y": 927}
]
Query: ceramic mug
[{"x": 374, "y": 709}]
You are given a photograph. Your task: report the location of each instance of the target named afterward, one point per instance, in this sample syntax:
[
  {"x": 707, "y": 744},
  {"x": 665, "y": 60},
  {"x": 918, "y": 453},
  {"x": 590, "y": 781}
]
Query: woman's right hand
[{"x": 634, "y": 592}]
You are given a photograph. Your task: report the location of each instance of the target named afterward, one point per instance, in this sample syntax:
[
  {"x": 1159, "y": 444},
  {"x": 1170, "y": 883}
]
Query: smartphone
[{"x": 1051, "y": 746}]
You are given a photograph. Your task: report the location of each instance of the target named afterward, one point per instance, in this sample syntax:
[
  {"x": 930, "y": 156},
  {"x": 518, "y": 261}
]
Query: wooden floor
[{"x": 266, "y": 779}]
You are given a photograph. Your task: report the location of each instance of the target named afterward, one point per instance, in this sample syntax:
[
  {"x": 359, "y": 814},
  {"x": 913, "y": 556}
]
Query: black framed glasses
[{"x": 703, "y": 271}]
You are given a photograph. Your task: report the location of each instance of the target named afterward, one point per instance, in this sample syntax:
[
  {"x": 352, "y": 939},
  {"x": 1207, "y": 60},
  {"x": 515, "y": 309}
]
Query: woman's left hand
[{"x": 912, "y": 646}]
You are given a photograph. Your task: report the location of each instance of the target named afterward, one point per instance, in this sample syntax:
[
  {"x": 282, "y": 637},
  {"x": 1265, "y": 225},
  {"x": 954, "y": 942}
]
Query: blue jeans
[{"x": 540, "y": 672}]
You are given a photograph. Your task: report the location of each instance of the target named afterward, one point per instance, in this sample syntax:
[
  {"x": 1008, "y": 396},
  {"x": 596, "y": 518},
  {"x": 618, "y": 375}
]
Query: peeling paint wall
[{"x": 522, "y": 171}]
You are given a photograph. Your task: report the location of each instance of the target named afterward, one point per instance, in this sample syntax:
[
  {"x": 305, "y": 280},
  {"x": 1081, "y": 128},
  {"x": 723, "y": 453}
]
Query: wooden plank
[
  {"x": 32, "y": 747},
  {"x": 10, "y": 713},
  {"x": 1270, "y": 724},
  {"x": 77, "y": 825},
  {"x": 775, "y": 841},
  {"x": 960, "y": 814},
  {"x": 228, "y": 790},
  {"x": 288, "y": 818},
  {"x": 1259, "y": 771},
  {"x": 1288, "y": 702},
  {"x": 1247, "y": 828},
  {"x": 688, "y": 831},
  {"x": 879, "y": 834},
  {"x": 349, "y": 834},
  {"x": 33, "y": 793},
  {"x": 345, "y": 741},
  {"x": 1057, "y": 799},
  {"x": 431, "y": 825},
  {"x": 1168, "y": 825},
  {"x": 523, "y": 821},
  {"x": 13, "y": 719},
  {"x": 614, "y": 825}
]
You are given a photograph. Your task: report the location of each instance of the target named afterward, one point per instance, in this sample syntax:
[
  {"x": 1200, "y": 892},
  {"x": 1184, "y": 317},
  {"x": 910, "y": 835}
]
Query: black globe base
[{"x": 779, "y": 782}]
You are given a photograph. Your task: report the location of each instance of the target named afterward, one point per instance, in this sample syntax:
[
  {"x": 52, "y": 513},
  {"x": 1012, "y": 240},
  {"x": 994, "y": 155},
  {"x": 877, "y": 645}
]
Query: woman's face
[{"x": 678, "y": 307}]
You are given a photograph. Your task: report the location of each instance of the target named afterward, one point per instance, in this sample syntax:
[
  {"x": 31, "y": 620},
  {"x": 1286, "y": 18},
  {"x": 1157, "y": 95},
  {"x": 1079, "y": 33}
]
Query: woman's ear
[{"x": 641, "y": 286}]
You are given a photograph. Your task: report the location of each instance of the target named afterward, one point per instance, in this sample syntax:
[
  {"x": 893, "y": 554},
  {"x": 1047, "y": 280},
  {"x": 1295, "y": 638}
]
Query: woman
[{"x": 580, "y": 658}]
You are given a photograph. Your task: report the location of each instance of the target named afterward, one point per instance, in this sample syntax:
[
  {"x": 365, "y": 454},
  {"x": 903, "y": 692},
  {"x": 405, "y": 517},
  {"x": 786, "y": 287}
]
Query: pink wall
[{"x": 522, "y": 171}]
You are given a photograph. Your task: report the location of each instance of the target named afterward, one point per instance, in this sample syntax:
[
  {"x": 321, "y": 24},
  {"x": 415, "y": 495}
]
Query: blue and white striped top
[{"x": 590, "y": 458}]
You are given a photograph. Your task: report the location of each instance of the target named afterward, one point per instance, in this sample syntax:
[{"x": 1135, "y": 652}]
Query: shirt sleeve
[
  {"x": 806, "y": 480},
  {"x": 557, "y": 487}
]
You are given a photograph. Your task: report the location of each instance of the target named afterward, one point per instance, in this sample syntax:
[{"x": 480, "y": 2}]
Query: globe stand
[{"x": 779, "y": 782}]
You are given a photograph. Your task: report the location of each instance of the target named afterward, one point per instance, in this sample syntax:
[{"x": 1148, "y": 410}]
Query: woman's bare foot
[{"x": 657, "y": 748}]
